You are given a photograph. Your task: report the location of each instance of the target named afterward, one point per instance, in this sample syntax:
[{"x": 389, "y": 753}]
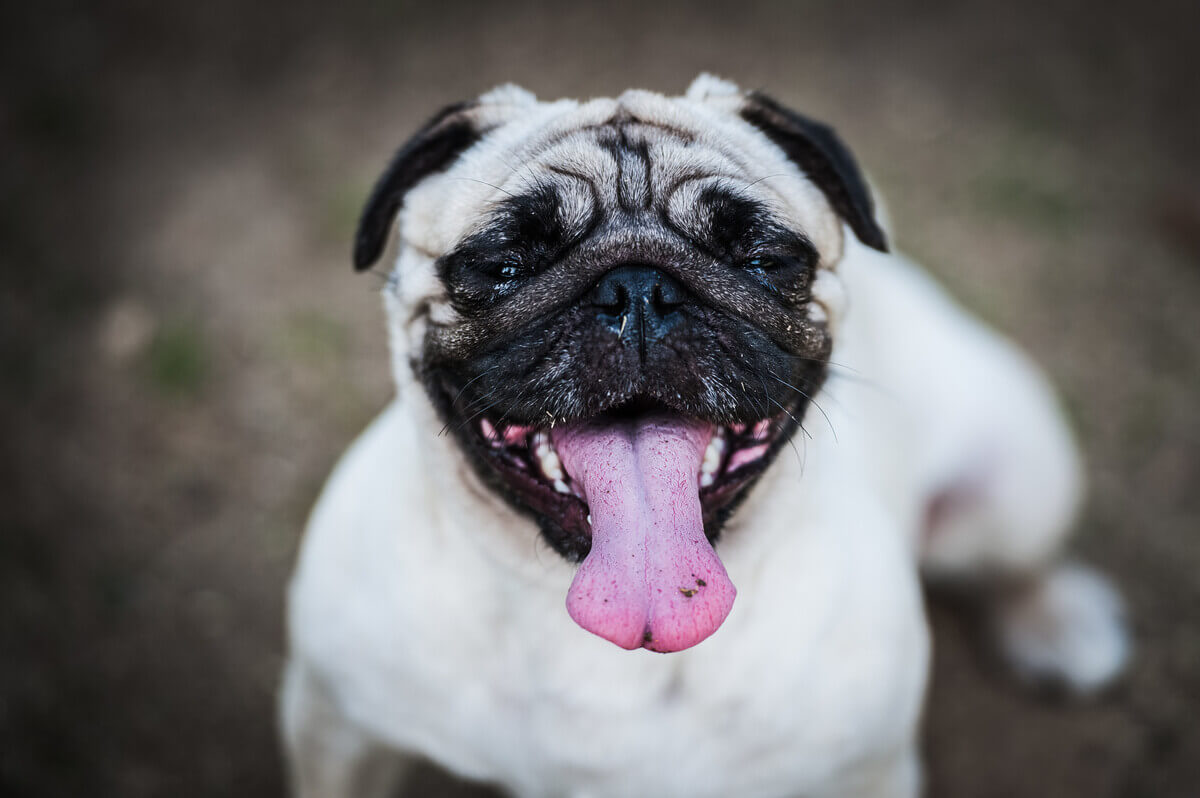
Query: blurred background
[{"x": 184, "y": 349}]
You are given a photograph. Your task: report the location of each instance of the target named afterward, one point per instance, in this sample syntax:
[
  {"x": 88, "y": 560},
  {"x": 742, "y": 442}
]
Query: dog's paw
[{"x": 1065, "y": 628}]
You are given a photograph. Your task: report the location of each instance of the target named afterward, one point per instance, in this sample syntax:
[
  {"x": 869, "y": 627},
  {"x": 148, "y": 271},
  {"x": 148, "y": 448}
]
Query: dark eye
[
  {"x": 505, "y": 269},
  {"x": 765, "y": 263}
]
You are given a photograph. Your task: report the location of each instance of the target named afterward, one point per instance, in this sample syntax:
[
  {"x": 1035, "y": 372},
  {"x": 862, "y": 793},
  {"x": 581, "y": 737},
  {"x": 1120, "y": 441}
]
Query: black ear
[
  {"x": 433, "y": 148},
  {"x": 821, "y": 155}
]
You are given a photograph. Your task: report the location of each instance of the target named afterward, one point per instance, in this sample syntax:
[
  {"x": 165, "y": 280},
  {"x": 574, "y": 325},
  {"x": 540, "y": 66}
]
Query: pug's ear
[
  {"x": 822, "y": 156},
  {"x": 432, "y": 149}
]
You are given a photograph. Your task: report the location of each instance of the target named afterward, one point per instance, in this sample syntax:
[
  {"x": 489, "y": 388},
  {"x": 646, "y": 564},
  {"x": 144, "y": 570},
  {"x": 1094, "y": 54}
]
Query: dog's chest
[
  {"x": 523, "y": 697},
  {"x": 435, "y": 647}
]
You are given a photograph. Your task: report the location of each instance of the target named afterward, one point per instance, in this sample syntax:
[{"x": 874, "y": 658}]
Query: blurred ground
[{"x": 185, "y": 351}]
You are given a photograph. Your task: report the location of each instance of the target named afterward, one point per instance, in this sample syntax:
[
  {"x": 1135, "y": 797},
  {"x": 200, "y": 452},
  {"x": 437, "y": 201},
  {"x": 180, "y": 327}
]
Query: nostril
[
  {"x": 610, "y": 297},
  {"x": 620, "y": 301},
  {"x": 666, "y": 297}
]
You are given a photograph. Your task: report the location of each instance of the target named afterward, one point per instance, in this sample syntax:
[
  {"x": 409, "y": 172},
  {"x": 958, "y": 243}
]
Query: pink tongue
[{"x": 651, "y": 579}]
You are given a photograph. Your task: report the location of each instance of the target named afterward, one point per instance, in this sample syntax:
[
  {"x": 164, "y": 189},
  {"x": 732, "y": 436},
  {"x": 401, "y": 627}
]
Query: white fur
[
  {"x": 427, "y": 618},
  {"x": 1065, "y": 626}
]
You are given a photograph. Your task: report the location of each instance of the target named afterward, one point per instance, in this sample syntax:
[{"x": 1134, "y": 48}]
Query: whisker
[
  {"x": 766, "y": 177},
  {"x": 457, "y": 396},
  {"x": 810, "y": 399},
  {"x": 479, "y": 412},
  {"x": 801, "y": 461},
  {"x": 788, "y": 413},
  {"x": 385, "y": 279},
  {"x": 835, "y": 364},
  {"x": 473, "y": 403},
  {"x": 486, "y": 183},
  {"x": 762, "y": 413},
  {"x": 512, "y": 406},
  {"x": 478, "y": 401},
  {"x": 526, "y": 166},
  {"x": 864, "y": 381}
]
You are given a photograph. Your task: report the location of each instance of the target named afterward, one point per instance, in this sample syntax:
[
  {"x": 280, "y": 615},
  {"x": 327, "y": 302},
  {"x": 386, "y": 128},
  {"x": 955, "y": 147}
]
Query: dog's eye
[
  {"x": 504, "y": 269},
  {"x": 766, "y": 263}
]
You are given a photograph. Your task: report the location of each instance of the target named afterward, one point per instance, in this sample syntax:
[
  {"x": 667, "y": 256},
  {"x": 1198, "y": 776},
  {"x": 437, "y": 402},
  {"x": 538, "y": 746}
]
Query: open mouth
[
  {"x": 636, "y": 494},
  {"x": 525, "y": 457}
]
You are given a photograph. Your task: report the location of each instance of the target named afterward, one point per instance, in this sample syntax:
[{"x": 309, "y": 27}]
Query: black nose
[{"x": 640, "y": 303}]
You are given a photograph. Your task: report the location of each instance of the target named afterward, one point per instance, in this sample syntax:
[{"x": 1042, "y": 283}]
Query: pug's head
[{"x": 621, "y": 310}]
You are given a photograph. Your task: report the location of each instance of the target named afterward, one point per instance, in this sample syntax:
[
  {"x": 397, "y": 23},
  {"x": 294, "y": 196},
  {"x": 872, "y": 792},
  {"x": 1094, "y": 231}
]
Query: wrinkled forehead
[{"x": 618, "y": 159}]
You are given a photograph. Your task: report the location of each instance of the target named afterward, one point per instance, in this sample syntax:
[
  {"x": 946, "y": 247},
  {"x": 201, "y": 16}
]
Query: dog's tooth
[
  {"x": 589, "y": 519},
  {"x": 488, "y": 430},
  {"x": 712, "y": 459},
  {"x": 552, "y": 468},
  {"x": 712, "y": 453},
  {"x": 548, "y": 460},
  {"x": 561, "y": 486}
]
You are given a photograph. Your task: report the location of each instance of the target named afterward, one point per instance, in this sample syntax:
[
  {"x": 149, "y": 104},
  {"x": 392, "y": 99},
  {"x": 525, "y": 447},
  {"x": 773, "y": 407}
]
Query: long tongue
[{"x": 651, "y": 579}]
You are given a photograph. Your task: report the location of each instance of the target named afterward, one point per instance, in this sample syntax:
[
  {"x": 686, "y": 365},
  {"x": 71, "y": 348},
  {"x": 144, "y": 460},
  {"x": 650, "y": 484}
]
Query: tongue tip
[
  {"x": 668, "y": 644},
  {"x": 624, "y": 635},
  {"x": 636, "y": 625},
  {"x": 682, "y": 629}
]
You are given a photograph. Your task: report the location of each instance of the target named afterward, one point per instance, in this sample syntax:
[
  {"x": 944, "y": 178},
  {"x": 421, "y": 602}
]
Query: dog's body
[{"x": 427, "y": 618}]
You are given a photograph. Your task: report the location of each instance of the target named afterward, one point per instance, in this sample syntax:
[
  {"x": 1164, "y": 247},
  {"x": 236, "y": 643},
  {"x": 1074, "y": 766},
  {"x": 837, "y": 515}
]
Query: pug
[{"x": 674, "y": 440}]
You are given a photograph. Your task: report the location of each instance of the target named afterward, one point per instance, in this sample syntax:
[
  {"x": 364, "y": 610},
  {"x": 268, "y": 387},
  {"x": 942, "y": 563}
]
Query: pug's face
[{"x": 621, "y": 310}]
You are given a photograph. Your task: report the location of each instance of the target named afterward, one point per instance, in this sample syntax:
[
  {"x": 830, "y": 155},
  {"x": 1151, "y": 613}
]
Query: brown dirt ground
[{"x": 185, "y": 351}]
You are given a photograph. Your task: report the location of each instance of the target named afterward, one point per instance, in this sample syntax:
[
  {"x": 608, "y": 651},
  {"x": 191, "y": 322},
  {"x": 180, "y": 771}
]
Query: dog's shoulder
[{"x": 365, "y": 533}]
